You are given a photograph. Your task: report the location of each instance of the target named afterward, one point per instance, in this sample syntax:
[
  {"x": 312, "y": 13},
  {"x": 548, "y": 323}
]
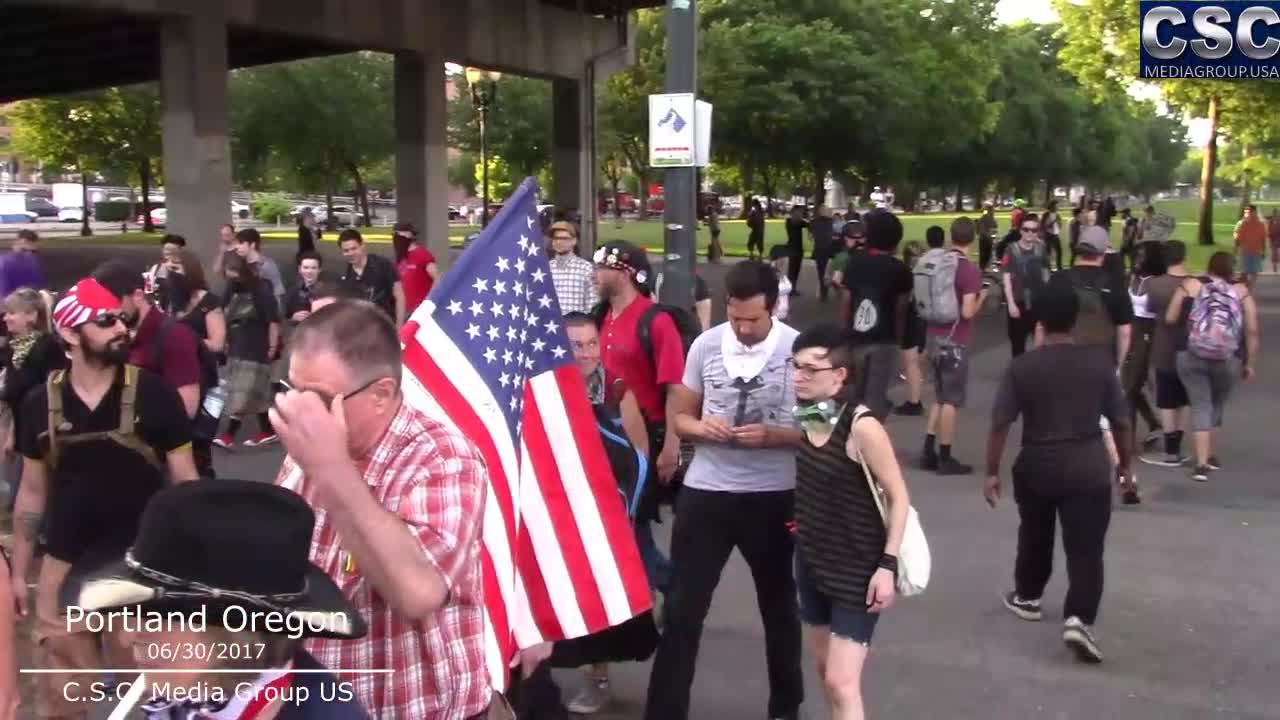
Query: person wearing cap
[
  {"x": 97, "y": 441},
  {"x": 415, "y": 265},
  {"x": 226, "y": 633},
  {"x": 855, "y": 240},
  {"x": 573, "y": 276}
]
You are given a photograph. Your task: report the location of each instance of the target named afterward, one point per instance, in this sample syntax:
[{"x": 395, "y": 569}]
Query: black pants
[
  {"x": 537, "y": 696},
  {"x": 1137, "y": 367},
  {"x": 986, "y": 244},
  {"x": 1085, "y": 517},
  {"x": 1054, "y": 245},
  {"x": 755, "y": 244},
  {"x": 1021, "y": 328},
  {"x": 202, "y": 453},
  {"x": 708, "y": 526},
  {"x": 793, "y": 267},
  {"x": 821, "y": 261}
]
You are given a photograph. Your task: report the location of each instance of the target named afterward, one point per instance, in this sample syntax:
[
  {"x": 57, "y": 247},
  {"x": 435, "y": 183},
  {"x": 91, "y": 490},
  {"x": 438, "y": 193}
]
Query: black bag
[{"x": 630, "y": 467}]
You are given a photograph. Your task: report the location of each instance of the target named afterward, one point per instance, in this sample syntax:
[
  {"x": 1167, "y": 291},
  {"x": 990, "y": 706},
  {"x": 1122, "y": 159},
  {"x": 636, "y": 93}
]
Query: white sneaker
[{"x": 1079, "y": 638}]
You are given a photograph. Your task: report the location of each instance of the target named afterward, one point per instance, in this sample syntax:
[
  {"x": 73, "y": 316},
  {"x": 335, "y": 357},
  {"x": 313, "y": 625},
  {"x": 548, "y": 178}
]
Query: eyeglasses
[
  {"x": 808, "y": 371},
  {"x": 107, "y": 321},
  {"x": 327, "y": 398}
]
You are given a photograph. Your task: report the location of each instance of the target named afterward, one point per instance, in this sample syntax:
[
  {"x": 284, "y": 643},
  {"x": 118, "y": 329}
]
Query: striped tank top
[{"x": 838, "y": 526}]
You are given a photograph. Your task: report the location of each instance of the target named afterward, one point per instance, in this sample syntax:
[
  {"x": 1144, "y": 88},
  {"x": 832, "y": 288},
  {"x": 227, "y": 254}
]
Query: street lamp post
[{"x": 484, "y": 88}]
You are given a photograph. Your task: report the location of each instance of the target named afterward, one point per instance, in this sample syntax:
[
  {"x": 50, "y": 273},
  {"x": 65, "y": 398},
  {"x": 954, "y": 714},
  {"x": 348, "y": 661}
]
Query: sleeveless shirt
[{"x": 839, "y": 529}]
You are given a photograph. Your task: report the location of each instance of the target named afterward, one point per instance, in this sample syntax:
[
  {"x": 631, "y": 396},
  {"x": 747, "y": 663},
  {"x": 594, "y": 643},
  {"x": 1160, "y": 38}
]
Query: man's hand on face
[{"x": 315, "y": 436}]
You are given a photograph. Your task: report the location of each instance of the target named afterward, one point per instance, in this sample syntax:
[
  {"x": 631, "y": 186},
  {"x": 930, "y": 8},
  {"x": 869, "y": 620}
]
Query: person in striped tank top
[{"x": 846, "y": 558}]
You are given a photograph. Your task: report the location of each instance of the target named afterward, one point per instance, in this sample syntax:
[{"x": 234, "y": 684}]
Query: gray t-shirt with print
[{"x": 768, "y": 398}]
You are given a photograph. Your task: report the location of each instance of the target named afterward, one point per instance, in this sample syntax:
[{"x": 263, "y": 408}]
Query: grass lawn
[{"x": 734, "y": 232}]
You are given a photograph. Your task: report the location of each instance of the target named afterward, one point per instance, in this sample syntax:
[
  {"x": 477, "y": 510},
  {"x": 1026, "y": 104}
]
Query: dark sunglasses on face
[
  {"x": 107, "y": 321},
  {"x": 1030, "y": 229}
]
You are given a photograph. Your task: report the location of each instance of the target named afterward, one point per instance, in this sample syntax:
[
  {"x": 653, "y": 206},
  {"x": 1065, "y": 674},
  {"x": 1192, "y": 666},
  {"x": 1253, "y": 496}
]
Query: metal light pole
[
  {"x": 484, "y": 88},
  {"x": 679, "y": 191}
]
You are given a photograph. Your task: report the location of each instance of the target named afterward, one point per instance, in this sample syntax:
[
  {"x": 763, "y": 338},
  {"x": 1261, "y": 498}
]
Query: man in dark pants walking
[
  {"x": 1063, "y": 471},
  {"x": 735, "y": 405}
]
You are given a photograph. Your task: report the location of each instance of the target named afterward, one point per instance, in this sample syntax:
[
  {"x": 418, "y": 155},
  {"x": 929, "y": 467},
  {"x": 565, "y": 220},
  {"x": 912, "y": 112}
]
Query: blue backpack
[{"x": 630, "y": 466}]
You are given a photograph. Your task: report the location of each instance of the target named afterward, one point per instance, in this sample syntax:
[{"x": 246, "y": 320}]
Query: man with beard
[{"x": 97, "y": 442}]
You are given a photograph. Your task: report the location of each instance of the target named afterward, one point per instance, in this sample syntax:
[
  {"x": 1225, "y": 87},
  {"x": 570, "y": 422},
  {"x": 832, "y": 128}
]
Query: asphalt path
[{"x": 1189, "y": 619}]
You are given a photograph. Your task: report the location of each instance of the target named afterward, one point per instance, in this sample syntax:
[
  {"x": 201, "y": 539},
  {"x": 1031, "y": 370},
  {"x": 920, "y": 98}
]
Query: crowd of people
[{"x": 750, "y": 431}]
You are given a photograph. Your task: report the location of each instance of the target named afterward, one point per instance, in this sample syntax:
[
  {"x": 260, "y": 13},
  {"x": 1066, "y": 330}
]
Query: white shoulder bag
[{"x": 914, "y": 560}]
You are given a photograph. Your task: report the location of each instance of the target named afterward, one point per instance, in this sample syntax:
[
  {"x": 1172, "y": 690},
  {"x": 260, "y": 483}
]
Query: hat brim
[{"x": 323, "y": 612}]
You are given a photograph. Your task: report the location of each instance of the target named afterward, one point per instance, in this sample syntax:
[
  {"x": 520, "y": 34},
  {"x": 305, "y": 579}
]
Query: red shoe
[
  {"x": 225, "y": 441},
  {"x": 262, "y": 438}
]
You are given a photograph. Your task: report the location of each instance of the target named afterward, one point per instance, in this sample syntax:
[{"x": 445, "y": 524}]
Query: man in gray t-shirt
[{"x": 735, "y": 405}]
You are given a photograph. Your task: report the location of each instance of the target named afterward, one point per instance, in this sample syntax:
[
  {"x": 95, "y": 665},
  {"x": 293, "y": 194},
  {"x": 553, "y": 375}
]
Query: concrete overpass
[{"x": 57, "y": 46}]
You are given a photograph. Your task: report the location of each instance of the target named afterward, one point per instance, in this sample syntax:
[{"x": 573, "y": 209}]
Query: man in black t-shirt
[
  {"x": 97, "y": 442},
  {"x": 875, "y": 312},
  {"x": 371, "y": 277},
  {"x": 796, "y": 225},
  {"x": 1063, "y": 473}
]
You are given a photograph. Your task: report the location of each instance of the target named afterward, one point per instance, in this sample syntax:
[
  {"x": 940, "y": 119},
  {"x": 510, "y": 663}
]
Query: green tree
[
  {"x": 313, "y": 121},
  {"x": 622, "y": 103},
  {"x": 501, "y": 180},
  {"x": 519, "y": 123}
]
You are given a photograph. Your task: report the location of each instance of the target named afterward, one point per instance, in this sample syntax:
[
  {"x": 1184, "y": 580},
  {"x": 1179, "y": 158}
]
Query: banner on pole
[{"x": 671, "y": 130}]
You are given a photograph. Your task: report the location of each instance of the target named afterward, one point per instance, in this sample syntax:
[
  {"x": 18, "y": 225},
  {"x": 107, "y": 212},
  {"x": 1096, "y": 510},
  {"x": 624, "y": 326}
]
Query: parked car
[
  {"x": 41, "y": 207},
  {"x": 343, "y": 215},
  {"x": 159, "y": 217},
  {"x": 71, "y": 213},
  {"x": 239, "y": 210}
]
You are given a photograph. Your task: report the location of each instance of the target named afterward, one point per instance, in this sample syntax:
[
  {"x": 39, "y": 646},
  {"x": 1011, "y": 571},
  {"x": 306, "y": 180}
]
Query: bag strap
[
  {"x": 127, "y": 397},
  {"x": 53, "y": 391},
  {"x": 858, "y": 413}
]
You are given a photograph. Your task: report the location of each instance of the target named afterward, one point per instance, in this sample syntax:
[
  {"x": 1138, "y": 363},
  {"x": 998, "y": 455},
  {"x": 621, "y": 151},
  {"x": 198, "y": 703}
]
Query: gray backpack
[{"x": 935, "y": 286}]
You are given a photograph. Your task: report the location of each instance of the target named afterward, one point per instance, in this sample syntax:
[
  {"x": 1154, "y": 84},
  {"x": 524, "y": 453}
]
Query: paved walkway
[{"x": 1189, "y": 621}]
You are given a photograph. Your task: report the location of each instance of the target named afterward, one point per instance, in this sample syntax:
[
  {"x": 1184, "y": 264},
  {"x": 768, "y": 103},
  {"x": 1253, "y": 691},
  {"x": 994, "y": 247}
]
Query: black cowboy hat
[{"x": 218, "y": 544}]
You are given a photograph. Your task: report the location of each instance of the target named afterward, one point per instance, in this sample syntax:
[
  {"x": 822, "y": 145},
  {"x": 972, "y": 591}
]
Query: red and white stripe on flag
[{"x": 559, "y": 555}]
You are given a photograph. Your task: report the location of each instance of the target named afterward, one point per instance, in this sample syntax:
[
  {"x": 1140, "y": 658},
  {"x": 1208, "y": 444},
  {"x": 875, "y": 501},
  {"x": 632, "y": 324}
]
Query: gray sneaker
[
  {"x": 1079, "y": 638},
  {"x": 1025, "y": 609},
  {"x": 591, "y": 699}
]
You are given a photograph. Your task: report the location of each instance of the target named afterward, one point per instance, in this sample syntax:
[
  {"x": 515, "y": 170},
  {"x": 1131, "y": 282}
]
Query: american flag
[{"x": 488, "y": 352}]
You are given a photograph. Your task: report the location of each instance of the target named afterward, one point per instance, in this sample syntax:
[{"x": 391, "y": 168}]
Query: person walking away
[
  {"x": 1149, "y": 263},
  {"x": 107, "y": 436},
  {"x": 200, "y": 310},
  {"x": 1051, "y": 230},
  {"x": 1073, "y": 232},
  {"x": 797, "y": 223},
  {"x": 755, "y": 231},
  {"x": 1273, "y": 232},
  {"x": 949, "y": 292},
  {"x": 1025, "y": 270},
  {"x": 824, "y": 246},
  {"x": 33, "y": 353},
  {"x": 253, "y": 343},
  {"x": 1063, "y": 472},
  {"x": 249, "y": 246},
  {"x": 402, "y": 498},
  {"x": 618, "y": 405},
  {"x": 714, "y": 249},
  {"x": 1129, "y": 239},
  {"x": 913, "y": 341},
  {"x": 415, "y": 266},
  {"x": 780, "y": 259},
  {"x": 735, "y": 404},
  {"x": 573, "y": 276},
  {"x": 192, "y": 543},
  {"x": 988, "y": 228},
  {"x": 1105, "y": 316},
  {"x": 1166, "y": 340},
  {"x": 1222, "y": 319},
  {"x": 846, "y": 562},
  {"x": 371, "y": 277},
  {"x": 1251, "y": 244},
  {"x": 875, "y": 315},
  {"x": 297, "y": 304}
]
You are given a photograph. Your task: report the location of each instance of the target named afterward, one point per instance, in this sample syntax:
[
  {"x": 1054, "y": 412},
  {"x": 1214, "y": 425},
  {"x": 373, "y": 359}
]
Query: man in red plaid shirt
[{"x": 399, "y": 500}]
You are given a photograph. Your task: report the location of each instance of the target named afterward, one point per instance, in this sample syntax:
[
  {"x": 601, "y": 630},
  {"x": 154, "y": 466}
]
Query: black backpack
[
  {"x": 686, "y": 324},
  {"x": 630, "y": 467}
]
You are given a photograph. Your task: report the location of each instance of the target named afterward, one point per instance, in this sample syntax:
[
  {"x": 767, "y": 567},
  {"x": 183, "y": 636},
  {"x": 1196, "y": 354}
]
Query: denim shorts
[{"x": 816, "y": 608}]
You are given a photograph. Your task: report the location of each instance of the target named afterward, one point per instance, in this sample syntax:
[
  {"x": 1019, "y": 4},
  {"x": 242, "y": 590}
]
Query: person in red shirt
[{"x": 415, "y": 265}]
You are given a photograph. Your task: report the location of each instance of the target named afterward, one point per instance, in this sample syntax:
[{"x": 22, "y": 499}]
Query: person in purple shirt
[{"x": 21, "y": 268}]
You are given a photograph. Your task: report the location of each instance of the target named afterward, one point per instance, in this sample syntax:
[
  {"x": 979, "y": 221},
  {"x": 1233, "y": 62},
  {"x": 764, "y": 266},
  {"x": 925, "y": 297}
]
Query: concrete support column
[
  {"x": 422, "y": 172},
  {"x": 573, "y": 152},
  {"x": 197, "y": 153}
]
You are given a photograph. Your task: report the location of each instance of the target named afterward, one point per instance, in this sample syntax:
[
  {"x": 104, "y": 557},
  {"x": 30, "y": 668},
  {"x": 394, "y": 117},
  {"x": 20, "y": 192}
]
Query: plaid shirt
[
  {"x": 434, "y": 480},
  {"x": 575, "y": 287}
]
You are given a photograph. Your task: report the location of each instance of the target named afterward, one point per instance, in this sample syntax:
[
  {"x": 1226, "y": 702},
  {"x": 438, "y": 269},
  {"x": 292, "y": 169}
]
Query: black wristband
[{"x": 889, "y": 562}]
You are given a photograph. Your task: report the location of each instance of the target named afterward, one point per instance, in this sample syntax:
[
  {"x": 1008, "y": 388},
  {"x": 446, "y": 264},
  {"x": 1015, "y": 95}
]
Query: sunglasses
[
  {"x": 327, "y": 398},
  {"x": 106, "y": 321}
]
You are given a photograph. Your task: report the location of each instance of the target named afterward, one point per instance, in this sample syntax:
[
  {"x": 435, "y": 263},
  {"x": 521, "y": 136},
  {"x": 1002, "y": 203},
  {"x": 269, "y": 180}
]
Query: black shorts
[
  {"x": 1170, "y": 392},
  {"x": 914, "y": 336}
]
